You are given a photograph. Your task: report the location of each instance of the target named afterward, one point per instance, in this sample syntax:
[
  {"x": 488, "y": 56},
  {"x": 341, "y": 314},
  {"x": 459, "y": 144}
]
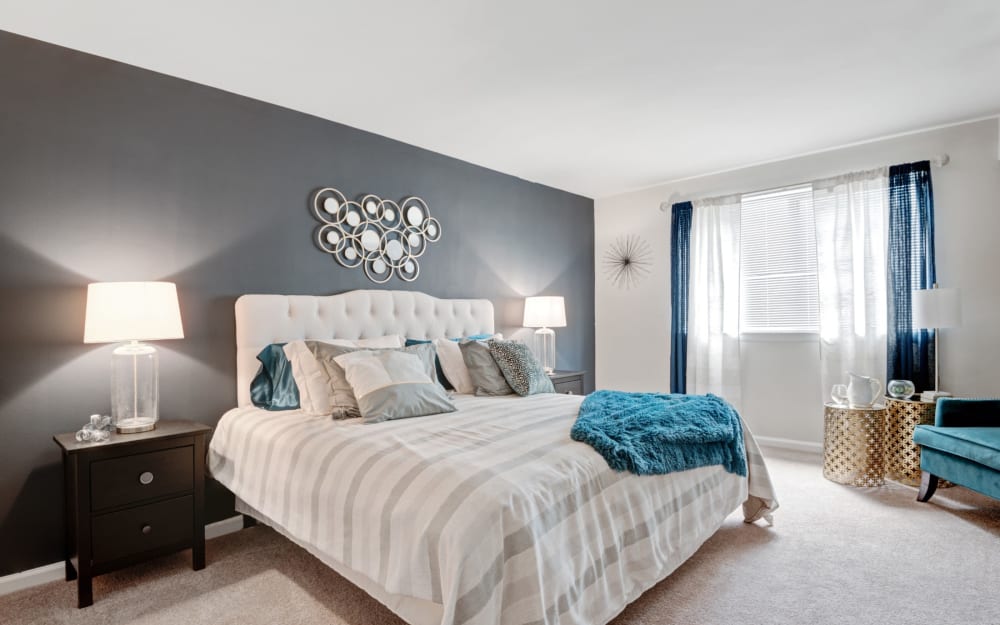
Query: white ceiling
[{"x": 595, "y": 97}]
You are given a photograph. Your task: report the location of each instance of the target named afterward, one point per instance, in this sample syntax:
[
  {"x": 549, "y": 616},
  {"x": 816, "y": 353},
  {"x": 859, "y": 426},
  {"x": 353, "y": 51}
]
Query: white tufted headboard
[{"x": 265, "y": 319}]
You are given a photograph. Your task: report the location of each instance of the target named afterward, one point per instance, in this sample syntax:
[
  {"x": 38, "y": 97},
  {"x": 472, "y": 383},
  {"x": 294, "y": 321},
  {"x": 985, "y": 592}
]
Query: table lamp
[
  {"x": 545, "y": 313},
  {"x": 130, "y": 312},
  {"x": 936, "y": 308}
]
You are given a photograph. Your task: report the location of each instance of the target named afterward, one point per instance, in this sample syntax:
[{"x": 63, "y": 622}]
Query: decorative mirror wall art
[
  {"x": 383, "y": 236},
  {"x": 627, "y": 261}
]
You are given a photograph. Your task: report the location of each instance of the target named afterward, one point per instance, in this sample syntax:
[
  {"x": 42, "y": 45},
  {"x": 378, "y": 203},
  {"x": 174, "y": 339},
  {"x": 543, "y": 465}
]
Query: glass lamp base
[
  {"x": 134, "y": 388},
  {"x": 134, "y": 426},
  {"x": 545, "y": 348}
]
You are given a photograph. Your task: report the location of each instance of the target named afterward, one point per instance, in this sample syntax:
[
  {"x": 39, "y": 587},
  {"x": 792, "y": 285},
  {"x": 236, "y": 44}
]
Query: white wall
[{"x": 782, "y": 394}]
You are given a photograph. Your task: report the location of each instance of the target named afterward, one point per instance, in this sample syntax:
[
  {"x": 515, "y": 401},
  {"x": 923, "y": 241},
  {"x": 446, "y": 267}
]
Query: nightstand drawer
[
  {"x": 569, "y": 387},
  {"x": 143, "y": 528},
  {"x": 132, "y": 479}
]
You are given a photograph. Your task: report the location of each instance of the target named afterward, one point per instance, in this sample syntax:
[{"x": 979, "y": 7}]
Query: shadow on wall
[
  {"x": 50, "y": 381},
  {"x": 551, "y": 279},
  {"x": 30, "y": 515},
  {"x": 41, "y": 309}
]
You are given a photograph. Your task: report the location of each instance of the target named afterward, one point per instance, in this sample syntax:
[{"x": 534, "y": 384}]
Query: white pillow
[
  {"x": 315, "y": 397},
  {"x": 453, "y": 365},
  {"x": 393, "y": 385}
]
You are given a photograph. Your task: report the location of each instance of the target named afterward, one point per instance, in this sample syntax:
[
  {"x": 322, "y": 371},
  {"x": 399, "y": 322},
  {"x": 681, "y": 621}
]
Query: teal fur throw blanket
[{"x": 654, "y": 433}]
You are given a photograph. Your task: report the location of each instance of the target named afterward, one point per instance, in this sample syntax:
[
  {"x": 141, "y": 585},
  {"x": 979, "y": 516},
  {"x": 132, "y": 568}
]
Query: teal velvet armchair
[{"x": 963, "y": 446}]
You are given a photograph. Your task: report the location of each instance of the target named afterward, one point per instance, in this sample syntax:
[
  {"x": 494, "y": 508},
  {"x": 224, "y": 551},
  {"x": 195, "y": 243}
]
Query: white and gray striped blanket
[{"x": 490, "y": 515}]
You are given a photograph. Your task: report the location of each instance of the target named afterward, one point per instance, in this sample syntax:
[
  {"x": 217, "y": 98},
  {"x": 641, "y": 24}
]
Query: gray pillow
[
  {"x": 520, "y": 367},
  {"x": 486, "y": 375},
  {"x": 392, "y": 385},
  {"x": 344, "y": 405}
]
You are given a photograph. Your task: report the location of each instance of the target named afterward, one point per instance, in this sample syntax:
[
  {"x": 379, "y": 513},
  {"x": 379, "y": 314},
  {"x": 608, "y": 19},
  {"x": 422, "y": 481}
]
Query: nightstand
[
  {"x": 568, "y": 382},
  {"x": 133, "y": 498}
]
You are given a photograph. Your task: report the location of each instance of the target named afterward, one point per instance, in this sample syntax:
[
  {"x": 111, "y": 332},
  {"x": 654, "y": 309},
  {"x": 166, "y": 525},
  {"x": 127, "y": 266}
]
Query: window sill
[{"x": 780, "y": 337}]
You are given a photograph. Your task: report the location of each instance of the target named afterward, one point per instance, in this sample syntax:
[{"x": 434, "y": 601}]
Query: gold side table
[
  {"x": 902, "y": 454},
  {"x": 853, "y": 445}
]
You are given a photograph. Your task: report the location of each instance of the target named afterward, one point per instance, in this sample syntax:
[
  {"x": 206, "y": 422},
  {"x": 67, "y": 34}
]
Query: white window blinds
[{"x": 778, "y": 285}]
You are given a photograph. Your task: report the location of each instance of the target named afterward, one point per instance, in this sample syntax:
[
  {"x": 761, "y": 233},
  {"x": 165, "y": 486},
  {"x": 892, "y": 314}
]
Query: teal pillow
[
  {"x": 273, "y": 388},
  {"x": 520, "y": 368},
  {"x": 442, "y": 378}
]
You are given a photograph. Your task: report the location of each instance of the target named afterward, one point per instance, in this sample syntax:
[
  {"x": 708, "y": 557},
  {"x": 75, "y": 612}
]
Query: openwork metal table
[
  {"x": 854, "y": 445},
  {"x": 902, "y": 455}
]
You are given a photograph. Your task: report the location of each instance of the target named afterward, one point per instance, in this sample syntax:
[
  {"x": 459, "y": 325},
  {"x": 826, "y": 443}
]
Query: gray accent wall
[{"x": 112, "y": 172}]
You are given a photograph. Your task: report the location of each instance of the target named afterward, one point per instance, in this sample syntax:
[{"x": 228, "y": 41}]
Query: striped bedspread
[{"x": 490, "y": 515}]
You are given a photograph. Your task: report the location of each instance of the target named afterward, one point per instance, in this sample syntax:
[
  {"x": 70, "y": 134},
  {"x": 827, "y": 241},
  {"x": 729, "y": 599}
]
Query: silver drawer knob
[
  {"x": 145, "y": 478},
  {"x": 147, "y": 529}
]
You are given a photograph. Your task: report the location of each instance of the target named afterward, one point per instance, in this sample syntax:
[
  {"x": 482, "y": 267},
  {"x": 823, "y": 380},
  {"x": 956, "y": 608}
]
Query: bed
[{"x": 490, "y": 515}]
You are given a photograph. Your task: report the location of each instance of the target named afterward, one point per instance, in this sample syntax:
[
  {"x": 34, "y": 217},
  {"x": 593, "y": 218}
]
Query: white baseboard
[
  {"x": 55, "y": 572},
  {"x": 223, "y": 527},
  {"x": 32, "y": 577},
  {"x": 787, "y": 443}
]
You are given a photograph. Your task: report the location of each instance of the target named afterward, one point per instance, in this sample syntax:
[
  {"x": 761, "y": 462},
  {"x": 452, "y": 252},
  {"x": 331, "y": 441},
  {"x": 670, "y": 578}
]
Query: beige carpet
[{"x": 835, "y": 555}]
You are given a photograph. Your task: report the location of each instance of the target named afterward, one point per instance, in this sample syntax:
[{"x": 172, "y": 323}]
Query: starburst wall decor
[{"x": 627, "y": 261}]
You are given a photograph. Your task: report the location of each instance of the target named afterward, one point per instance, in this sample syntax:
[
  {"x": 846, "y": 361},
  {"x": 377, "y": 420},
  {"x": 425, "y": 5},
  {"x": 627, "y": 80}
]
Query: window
[{"x": 778, "y": 285}]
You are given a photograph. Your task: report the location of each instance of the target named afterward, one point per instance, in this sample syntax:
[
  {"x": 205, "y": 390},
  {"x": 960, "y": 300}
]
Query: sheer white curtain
[
  {"x": 714, "y": 299},
  {"x": 851, "y": 216}
]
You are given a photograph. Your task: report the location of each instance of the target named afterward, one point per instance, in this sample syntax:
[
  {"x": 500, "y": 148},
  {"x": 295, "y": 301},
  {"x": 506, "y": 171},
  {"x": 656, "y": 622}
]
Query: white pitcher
[{"x": 862, "y": 390}]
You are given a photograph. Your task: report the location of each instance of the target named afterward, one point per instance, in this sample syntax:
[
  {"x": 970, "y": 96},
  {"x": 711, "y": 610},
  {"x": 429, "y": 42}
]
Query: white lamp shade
[
  {"x": 132, "y": 311},
  {"x": 937, "y": 308},
  {"x": 545, "y": 312}
]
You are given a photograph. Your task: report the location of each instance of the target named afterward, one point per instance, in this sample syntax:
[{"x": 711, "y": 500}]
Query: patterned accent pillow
[{"x": 520, "y": 368}]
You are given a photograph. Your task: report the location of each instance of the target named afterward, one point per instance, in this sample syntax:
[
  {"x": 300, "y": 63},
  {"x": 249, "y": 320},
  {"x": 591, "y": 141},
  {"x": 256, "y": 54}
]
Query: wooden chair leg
[{"x": 928, "y": 484}]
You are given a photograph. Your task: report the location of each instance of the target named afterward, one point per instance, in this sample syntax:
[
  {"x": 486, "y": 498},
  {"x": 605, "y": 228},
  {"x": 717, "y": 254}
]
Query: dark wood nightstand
[
  {"x": 568, "y": 382},
  {"x": 133, "y": 498}
]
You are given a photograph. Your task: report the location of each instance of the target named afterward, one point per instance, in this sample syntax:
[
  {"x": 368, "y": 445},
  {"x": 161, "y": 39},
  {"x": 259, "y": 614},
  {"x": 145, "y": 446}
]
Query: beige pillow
[
  {"x": 313, "y": 382},
  {"x": 453, "y": 365}
]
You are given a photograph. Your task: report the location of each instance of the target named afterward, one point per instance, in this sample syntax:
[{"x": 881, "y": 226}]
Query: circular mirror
[
  {"x": 415, "y": 215},
  {"x": 371, "y": 206},
  {"x": 369, "y": 240},
  {"x": 390, "y": 215},
  {"x": 350, "y": 254},
  {"x": 414, "y": 239},
  {"x": 353, "y": 218},
  {"x": 331, "y": 205},
  {"x": 408, "y": 266},
  {"x": 333, "y": 237},
  {"x": 378, "y": 266},
  {"x": 432, "y": 230},
  {"x": 394, "y": 250}
]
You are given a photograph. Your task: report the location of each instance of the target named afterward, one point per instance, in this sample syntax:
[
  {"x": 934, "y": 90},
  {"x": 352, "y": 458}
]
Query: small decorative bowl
[{"x": 900, "y": 389}]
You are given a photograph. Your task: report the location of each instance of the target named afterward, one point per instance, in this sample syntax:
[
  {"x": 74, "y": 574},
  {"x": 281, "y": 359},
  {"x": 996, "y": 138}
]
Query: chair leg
[{"x": 928, "y": 484}]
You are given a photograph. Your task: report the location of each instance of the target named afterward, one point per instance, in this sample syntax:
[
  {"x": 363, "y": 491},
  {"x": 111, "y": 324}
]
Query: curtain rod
[{"x": 939, "y": 160}]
